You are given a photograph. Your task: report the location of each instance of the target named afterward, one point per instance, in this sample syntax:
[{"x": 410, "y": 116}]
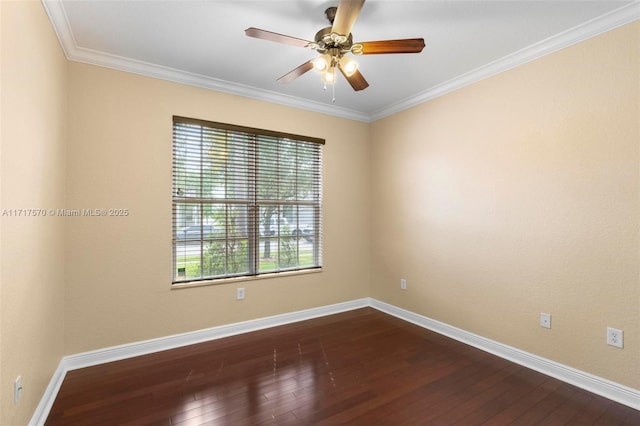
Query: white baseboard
[
  {"x": 129, "y": 350},
  {"x": 603, "y": 387},
  {"x": 49, "y": 396},
  {"x": 611, "y": 390},
  {"x": 116, "y": 353}
]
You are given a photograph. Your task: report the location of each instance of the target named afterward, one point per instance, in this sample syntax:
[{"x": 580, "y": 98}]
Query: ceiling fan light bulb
[
  {"x": 320, "y": 64},
  {"x": 329, "y": 77},
  {"x": 349, "y": 66}
]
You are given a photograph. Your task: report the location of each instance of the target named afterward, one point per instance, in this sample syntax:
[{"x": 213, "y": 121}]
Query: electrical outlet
[
  {"x": 240, "y": 294},
  {"x": 615, "y": 337},
  {"x": 17, "y": 389},
  {"x": 545, "y": 320},
  {"x": 403, "y": 284}
]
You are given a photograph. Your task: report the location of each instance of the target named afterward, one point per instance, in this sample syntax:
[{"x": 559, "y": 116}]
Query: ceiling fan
[{"x": 334, "y": 43}]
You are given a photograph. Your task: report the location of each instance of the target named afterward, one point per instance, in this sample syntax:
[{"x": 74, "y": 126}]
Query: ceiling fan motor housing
[{"x": 326, "y": 39}]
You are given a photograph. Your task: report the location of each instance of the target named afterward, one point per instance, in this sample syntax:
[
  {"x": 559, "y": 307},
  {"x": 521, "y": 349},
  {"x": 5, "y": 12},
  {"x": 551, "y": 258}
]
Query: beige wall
[
  {"x": 34, "y": 117},
  {"x": 519, "y": 195},
  {"x": 119, "y": 268}
]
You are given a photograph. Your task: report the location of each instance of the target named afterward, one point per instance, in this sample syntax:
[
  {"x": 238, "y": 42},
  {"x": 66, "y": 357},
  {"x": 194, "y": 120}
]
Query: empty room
[{"x": 320, "y": 212}]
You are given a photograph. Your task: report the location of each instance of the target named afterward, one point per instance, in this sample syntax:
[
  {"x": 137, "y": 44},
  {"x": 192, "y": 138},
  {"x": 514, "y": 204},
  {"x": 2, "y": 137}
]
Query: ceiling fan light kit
[{"x": 334, "y": 43}]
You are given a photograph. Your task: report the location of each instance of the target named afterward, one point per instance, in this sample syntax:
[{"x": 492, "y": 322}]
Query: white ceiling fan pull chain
[{"x": 333, "y": 98}]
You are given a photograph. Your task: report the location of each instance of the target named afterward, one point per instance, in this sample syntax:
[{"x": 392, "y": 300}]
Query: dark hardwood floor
[{"x": 361, "y": 367}]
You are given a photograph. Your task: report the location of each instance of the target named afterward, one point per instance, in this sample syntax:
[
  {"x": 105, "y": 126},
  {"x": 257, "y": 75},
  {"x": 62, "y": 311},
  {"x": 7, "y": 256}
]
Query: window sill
[{"x": 179, "y": 286}]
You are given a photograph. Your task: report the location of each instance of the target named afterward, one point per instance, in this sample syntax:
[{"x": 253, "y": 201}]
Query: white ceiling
[{"x": 203, "y": 43}]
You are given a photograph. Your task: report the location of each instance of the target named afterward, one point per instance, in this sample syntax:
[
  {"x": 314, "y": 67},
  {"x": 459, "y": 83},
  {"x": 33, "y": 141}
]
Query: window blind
[{"x": 245, "y": 201}]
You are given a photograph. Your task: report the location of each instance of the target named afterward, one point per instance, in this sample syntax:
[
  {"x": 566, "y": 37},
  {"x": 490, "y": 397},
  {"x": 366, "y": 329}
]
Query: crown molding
[
  {"x": 594, "y": 27},
  {"x": 57, "y": 16},
  {"x": 601, "y": 24},
  {"x": 197, "y": 80}
]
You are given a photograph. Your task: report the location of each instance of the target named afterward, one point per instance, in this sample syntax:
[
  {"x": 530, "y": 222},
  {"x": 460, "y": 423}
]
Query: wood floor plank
[{"x": 361, "y": 367}]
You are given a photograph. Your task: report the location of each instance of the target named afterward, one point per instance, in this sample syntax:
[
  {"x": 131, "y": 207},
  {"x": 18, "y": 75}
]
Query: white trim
[
  {"x": 73, "y": 52},
  {"x": 115, "y": 353},
  {"x": 582, "y": 32},
  {"x": 130, "y": 350},
  {"x": 594, "y": 27},
  {"x": 197, "y": 80},
  {"x": 46, "y": 402},
  {"x": 606, "y": 388}
]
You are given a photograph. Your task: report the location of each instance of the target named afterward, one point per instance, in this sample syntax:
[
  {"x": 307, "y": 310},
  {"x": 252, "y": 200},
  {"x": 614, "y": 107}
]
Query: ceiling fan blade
[
  {"x": 356, "y": 80},
  {"x": 295, "y": 73},
  {"x": 278, "y": 38},
  {"x": 408, "y": 45},
  {"x": 346, "y": 15}
]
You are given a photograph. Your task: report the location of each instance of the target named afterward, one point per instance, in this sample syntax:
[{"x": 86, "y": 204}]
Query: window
[{"x": 245, "y": 201}]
